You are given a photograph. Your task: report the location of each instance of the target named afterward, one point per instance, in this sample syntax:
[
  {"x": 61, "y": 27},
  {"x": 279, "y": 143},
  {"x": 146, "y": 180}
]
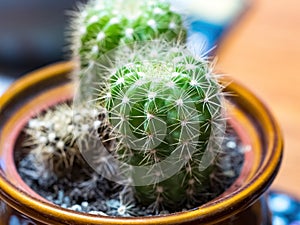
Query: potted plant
[{"x": 156, "y": 133}]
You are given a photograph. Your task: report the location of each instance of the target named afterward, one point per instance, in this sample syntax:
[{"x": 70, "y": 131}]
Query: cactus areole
[{"x": 169, "y": 122}]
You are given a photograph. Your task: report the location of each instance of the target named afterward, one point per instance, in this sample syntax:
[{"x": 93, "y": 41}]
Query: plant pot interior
[{"x": 248, "y": 117}]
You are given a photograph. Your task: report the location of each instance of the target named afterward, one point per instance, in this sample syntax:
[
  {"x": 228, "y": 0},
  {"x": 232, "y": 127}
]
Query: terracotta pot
[{"x": 243, "y": 203}]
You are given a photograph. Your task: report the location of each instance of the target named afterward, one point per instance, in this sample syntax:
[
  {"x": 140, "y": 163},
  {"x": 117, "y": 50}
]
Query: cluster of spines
[
  {"x": 171, "y": 104},
  {"x": 55, "y": 137}
]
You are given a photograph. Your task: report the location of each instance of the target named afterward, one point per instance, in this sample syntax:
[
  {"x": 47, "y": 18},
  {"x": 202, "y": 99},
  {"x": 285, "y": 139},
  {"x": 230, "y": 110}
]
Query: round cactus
[
  {"x": 57, "y": 138},
  {"x": 103, "y": 25},
  {"x": 167, "y": 111}
]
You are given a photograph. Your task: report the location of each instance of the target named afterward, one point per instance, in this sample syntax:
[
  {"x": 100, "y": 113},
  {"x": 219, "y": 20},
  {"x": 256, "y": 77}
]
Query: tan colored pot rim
[{"x": 260, "y": 181}]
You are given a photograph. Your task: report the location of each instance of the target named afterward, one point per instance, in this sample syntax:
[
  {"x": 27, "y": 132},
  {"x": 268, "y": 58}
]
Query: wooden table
[{"x": 263, "y": 52}]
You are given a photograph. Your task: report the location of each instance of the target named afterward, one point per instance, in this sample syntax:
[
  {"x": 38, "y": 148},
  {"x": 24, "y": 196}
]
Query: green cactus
[
  {"x": 103, "y": 25},
  {"x": 167, "y": 111}
]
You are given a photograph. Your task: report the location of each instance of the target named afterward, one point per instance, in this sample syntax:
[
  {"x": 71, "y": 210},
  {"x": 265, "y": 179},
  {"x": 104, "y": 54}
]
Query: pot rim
[{"x": 262, "y": 179}]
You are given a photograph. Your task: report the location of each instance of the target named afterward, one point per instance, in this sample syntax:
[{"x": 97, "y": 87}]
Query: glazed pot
[{"x": 243, "y": 203}]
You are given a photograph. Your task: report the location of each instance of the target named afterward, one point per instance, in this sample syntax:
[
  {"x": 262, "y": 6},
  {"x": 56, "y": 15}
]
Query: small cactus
[
  {"x": 56, "y": 138},
  {"x": 103, "y": 25},
  {"x": 168, "y": 113}
]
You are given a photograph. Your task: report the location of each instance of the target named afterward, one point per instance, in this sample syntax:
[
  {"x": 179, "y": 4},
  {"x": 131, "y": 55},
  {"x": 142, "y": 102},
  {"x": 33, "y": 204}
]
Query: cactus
[
  {"x": 167, "y": 109},
  {"x": 103, "y": 25},
  {"x": 56, "y": 138}
]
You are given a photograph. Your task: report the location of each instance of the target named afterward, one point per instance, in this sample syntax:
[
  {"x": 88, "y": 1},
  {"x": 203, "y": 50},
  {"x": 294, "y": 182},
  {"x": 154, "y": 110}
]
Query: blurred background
[
  {"x": 260, "y": 47},
  {"x": 263, "y": 52},
  {"x": 31, "y": 35},
  {"x": 32, "y": 32}
]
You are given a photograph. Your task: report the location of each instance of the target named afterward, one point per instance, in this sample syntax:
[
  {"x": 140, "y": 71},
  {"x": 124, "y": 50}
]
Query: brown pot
[{"x": 243, "y": 203}]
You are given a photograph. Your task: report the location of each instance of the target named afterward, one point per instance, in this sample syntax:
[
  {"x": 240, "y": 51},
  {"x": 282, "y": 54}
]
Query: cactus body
[{"x": 167, "y": 111}]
